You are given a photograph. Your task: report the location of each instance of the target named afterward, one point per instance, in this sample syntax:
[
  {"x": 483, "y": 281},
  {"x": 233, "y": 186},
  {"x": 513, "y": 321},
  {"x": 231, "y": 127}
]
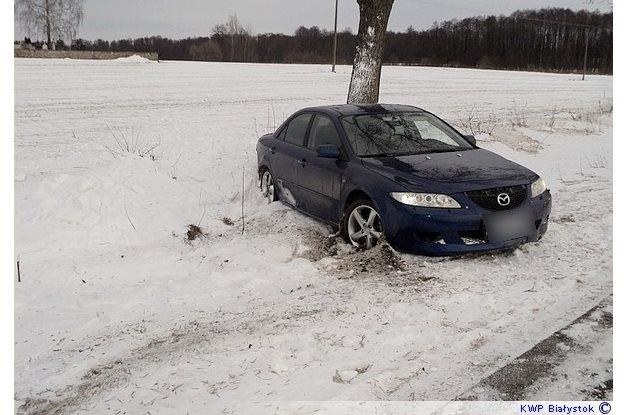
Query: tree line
[{"x": 551, "y": 39}]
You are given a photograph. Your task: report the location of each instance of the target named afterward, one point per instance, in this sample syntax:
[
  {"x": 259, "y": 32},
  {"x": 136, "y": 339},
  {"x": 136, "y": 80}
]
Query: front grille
[
  {"x": 488, "y": 198},
  {"x": 473, "y": 237}
]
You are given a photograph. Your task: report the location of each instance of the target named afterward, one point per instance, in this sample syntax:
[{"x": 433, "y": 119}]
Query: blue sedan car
[{"x": 400, "y": 172}]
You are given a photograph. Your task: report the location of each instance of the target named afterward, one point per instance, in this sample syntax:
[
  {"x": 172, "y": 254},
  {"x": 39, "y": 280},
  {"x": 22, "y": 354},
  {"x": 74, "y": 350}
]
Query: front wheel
[{"x": 362, "y": 226}]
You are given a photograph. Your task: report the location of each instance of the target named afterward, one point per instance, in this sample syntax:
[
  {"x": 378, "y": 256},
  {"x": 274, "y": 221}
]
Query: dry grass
[
  {"x": 476, "y": 123},
  {"x": 131, "y": 142},
  {"x": 518, "y": 116}
]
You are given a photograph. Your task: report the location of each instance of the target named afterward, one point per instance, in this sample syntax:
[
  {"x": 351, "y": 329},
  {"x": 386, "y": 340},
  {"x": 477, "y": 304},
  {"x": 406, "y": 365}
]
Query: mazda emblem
[{"x": 503, "y": 199}]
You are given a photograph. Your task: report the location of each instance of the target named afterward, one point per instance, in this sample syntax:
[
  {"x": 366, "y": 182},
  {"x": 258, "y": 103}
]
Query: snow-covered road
[{"x": 117, "y": 311}]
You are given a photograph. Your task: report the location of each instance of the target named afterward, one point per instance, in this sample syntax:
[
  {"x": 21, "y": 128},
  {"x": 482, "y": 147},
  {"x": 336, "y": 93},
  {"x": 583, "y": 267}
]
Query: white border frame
[{"x": 7, "y": 216}]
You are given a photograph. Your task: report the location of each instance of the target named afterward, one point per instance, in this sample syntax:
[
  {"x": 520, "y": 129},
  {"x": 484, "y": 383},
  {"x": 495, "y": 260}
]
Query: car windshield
[{"x": 399, "y": 134}]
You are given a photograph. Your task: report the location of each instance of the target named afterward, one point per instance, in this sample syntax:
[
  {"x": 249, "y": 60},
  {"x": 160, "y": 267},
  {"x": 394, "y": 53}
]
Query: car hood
[{"x": 453, "y": 171}]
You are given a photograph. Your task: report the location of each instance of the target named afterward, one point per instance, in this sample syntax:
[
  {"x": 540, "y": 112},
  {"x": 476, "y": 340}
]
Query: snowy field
[{"x": 118, "y": 312}]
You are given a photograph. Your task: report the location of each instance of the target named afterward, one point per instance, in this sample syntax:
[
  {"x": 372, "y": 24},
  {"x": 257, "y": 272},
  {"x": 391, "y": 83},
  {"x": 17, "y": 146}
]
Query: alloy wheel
[
  {"x": 364, "y": 227},
  {"x": 267, "y": 187}
]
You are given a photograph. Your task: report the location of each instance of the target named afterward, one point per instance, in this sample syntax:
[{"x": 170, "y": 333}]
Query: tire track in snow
[{"x": 194, "y": 338}]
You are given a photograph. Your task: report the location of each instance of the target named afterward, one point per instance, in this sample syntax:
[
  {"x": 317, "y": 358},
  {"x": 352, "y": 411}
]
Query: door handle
[{"x": 302, "y": 162}]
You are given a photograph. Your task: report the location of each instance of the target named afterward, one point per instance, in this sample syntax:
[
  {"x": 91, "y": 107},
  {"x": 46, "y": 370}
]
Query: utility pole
[
  {"x": 336, "y": 10},
  {"x": 585, "y": 54},
  {"x": 48, "y": 23}
]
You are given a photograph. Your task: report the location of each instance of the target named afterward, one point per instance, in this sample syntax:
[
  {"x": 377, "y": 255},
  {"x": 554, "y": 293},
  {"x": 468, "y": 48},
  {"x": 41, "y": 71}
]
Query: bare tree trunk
[
  {"x": 48, "y": 29},
  {"x": 585, "y": 54},
  {"x": 364, "y": 87},
  {"x": 232, "y": 48}
]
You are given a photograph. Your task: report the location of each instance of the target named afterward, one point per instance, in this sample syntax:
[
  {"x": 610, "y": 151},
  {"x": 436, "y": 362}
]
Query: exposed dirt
[
  {"x": 381, "y": 259},
  {"x": 564, "y": 219},
  {"x": 516, "y": 139},
  {"x": 227, "y": 221},
  {"x": 515, "y": 381},
  {"x": 602, "y": 391},
  {"x": 193, "y": 232},
  {"x": 320, "y": 245},
  {"x": 512, "y": 381},
  {"x": 345, "y": 261}
]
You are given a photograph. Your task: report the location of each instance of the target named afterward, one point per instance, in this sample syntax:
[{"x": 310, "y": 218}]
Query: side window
[
  {"x": 282, "y": 133},
  {"x": 296, "y": 130},
  {"x": 323, "y": 131}
]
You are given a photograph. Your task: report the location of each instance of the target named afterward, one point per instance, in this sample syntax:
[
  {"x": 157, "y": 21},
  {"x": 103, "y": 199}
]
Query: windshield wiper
[
  {"x": 428, "y": 151},
  {"x": 378, "y": 155},
  {"x": 449, "y": 150}
]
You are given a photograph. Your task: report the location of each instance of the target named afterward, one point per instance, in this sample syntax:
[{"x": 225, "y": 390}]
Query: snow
[
  {"x": 591, "y": 365},
  {"x": 117, "y": 311},
  {"x": 575, "y": 361},
  {"x": 134, "y": 59}
]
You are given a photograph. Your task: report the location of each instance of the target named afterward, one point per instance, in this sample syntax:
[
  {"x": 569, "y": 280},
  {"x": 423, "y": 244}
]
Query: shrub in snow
[
  {"x": 132, "y": 143},
  {"x": 194, "y": 232}
]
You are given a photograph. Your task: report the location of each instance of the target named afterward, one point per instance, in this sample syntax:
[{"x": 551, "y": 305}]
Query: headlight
[
  {"x": 431, "y": 200},
  {"x": 538, "y": 187}
]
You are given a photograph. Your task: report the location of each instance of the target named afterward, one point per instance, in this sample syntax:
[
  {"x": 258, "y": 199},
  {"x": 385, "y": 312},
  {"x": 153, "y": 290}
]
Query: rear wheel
[
  {"x": 362, "y": 225},
  {"x": 267, "y": 186}
]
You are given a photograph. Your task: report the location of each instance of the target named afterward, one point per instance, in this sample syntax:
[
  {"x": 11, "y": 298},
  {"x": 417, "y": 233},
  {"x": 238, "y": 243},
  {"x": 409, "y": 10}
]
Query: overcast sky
[{"x": 116, "y": 19}]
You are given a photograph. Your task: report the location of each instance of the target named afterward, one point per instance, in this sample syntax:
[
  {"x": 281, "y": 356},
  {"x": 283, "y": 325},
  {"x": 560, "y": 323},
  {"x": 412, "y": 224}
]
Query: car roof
[{"x": 362, "y": 109}]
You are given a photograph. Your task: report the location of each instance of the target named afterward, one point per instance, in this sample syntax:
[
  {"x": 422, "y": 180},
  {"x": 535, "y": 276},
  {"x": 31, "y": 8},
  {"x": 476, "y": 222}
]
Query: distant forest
[{"x": 550, "y": 39}]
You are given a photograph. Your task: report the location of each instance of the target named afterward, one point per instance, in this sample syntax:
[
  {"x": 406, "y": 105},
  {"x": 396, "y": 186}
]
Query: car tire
[
  {"x": 361, "y": 224},
  {"x": 268, "y": 186}
]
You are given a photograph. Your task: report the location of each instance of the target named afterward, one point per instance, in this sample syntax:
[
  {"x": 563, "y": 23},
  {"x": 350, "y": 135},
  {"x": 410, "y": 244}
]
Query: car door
[
  {"x": 287, "y": 153},
  {"x": 320, "y": 178}
]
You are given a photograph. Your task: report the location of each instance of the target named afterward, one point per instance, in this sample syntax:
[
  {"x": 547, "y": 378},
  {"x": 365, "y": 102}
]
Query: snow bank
[{"x": 134, "y": 59}]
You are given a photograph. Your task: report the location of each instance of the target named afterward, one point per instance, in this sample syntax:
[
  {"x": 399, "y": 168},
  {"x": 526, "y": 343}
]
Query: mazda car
[{"x": 401, "y": 173}]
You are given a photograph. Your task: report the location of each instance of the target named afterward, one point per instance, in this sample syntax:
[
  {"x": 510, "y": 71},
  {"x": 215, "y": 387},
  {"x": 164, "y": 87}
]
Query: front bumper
[{"x": 445, "y": 232}]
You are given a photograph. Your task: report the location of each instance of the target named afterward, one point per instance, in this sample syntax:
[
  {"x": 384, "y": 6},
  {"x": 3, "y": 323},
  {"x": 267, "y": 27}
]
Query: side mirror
[
  {"x": 471, "y": 139},
  {"x": 329, "y": 151}
]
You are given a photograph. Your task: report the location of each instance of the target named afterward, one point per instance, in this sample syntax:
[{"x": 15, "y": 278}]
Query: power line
[
  {"x": 431, "y": 3},
  {"x": 564, "y": 23},
  {"x": 336, "y": 11},
  {"x": 529, "y": 19},
  {"x": 490, "y": 13}
]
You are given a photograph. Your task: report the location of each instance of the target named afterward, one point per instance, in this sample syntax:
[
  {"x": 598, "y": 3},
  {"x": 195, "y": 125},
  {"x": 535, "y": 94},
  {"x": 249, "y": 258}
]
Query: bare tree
[
  {"x": 591, "y": 3},
  {"x": 74, "y": 13},
  {"x": 364, "y": 87},
  {"x": 237, "y": 35},
  {"x": 233, "y": 29},
  {"x": 50, "y": 18},
  {"x": 207, "y": 51}
]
